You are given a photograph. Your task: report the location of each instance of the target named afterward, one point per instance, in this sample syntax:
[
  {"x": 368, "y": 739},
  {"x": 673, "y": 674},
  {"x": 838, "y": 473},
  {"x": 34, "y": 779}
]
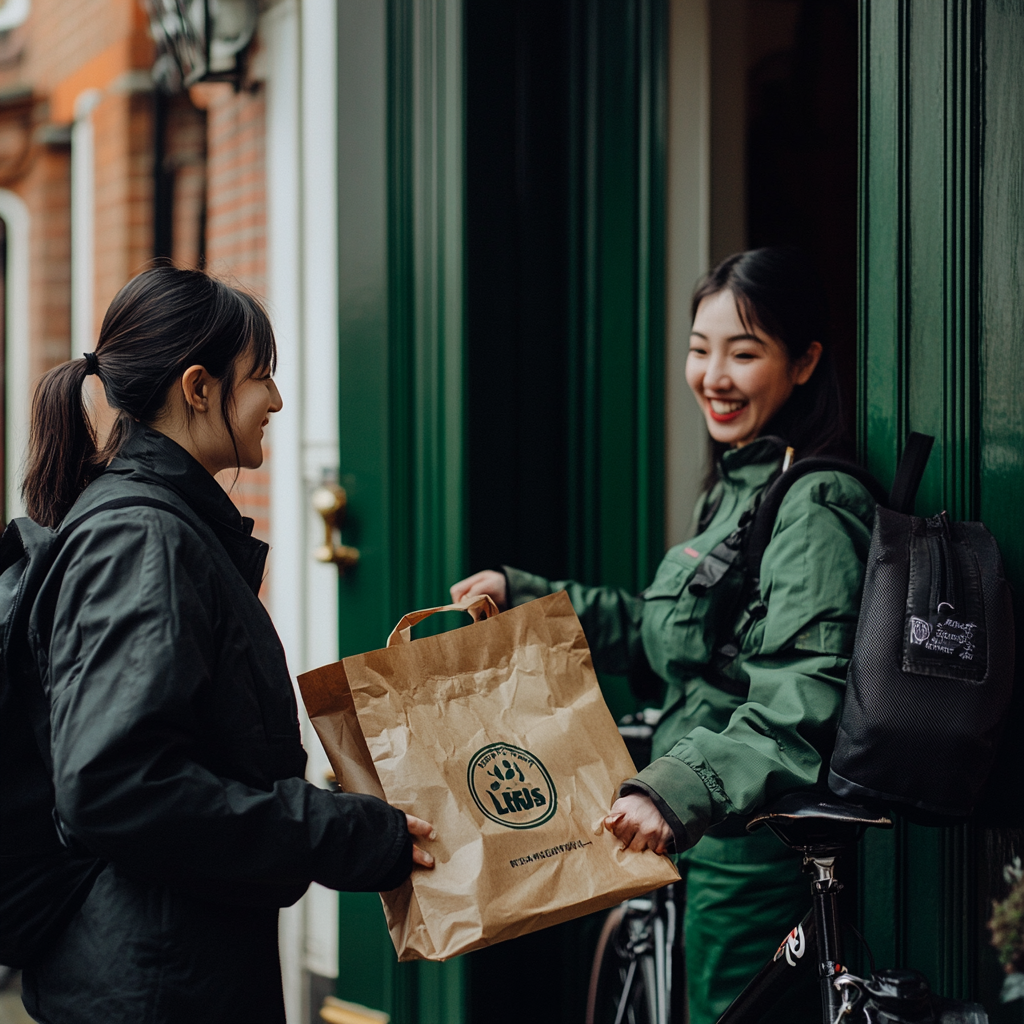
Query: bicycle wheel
[{"x": 624, "y": 978}]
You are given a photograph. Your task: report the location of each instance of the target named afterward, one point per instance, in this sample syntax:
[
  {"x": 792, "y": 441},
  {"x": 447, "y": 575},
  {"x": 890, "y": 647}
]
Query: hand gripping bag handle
[{"x": 479, "y": 607}]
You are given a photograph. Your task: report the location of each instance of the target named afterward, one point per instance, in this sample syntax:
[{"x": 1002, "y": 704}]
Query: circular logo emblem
[
  {"x": 511, "y": 786},
  {"x": 920, "y": 630}
]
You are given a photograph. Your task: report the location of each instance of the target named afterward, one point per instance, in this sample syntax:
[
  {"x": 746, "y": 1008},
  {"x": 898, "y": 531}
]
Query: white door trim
[
  {"x": 18, "y": 366},
  {"x": 687, "y": 238},
  {"x": 278, "y": 33},
  {"x": 302, "y": 267}
]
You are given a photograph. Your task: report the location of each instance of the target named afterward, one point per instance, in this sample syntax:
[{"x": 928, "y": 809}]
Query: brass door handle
[{"x": 331, "y": 501}]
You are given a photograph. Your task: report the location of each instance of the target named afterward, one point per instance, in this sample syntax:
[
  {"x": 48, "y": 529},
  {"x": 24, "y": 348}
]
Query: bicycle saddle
[{"x": 818, "y": 823}]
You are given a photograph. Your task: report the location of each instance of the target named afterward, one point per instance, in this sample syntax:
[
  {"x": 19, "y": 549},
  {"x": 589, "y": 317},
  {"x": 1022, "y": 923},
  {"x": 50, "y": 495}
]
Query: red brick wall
[
  {"x": 123, "y": 134},
  {"x": 215, "y": 144},
  {"x": 47, "y": 192},
  {"x": 236, "y": 224},
  {"x": 186, "y": 158},
  {"x": 64, "y": 48},
  {"x": 236, "y": 228},
  {"x": 63, "y": 37}
]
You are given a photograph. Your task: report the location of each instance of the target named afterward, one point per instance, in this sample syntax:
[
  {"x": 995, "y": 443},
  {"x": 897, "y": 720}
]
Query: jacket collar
[
  {"x": 754, "y": 464},
  {"x": 151, "y": 457}
]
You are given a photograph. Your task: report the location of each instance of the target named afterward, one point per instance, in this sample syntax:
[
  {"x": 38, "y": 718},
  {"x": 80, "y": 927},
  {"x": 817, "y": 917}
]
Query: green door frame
[
  {"x": 402, "y": 367},
  {"x": 940, "y": 351},
  {"x": 617, "y": 281},
  {"x": 616, "y": 387},
  {"x": 400, "y": 383}
]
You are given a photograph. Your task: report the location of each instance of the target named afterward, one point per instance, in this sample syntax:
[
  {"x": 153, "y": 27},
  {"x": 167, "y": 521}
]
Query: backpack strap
[
  {"x": 721, "y": 558},
  {"x": 128, "y": 501},
  {"x": 909, "y": 473},
  {"x": 764, "y": 522},
  {"x": 759, "y": 531},
  {"x": 40, "y": 561}
]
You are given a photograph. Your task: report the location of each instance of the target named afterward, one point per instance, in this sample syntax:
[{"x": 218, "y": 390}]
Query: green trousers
[{"x": 743, "y": 895}]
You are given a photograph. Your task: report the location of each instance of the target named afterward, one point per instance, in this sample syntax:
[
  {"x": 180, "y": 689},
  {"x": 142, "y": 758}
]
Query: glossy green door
[
  {"x": 565, "y": 153},
  {"x": 512, "y": 415},
  {"x": 942, "y": 352},
  {"x": 400, "y": 383}
]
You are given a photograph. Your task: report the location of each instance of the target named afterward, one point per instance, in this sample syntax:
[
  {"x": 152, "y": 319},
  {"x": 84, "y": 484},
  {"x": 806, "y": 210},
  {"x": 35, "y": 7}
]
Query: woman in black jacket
[{"x": 177, "y": 763}]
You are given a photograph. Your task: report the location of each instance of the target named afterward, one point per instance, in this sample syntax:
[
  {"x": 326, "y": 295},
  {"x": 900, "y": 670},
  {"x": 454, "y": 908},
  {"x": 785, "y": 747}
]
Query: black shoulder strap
[
  {"x": 764, "y": 522},
  {"x": 909, "y": 473},
  {"x": 16, "y": 626},
  {"x": 899, "y": 499},
  {"x": 759, "y": 531},
  {"x": 128, "y": 501}
]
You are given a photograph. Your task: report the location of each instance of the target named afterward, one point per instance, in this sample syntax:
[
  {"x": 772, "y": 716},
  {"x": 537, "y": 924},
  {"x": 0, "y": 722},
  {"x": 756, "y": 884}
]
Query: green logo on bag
[{"x": 511, "y": 786}]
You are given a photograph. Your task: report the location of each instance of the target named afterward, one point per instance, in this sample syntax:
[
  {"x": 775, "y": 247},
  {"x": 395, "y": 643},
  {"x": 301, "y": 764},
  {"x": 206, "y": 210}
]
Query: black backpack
[
  {"x": 929, "y": 682},
  {"x": 42, "y": 881}
]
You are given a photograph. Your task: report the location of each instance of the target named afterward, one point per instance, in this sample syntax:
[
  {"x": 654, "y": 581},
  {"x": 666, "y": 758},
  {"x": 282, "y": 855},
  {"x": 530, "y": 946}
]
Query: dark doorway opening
[
  {"x": 784, "y": 144},
  {"x": 784, "y": 170},
  {"x": 518, "y": 198},
  {"x": 517, "y": 267}
]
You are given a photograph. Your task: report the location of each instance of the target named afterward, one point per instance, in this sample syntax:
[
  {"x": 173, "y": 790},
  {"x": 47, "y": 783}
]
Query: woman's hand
[
  {"x": 638, "y": 824},
  {"x": 423, "y": 829},
  {"x": 487, "y": 582}
]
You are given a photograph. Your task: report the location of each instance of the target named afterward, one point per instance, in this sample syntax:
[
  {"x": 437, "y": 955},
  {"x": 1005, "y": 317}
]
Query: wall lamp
[{"x": 200, "y": 40}]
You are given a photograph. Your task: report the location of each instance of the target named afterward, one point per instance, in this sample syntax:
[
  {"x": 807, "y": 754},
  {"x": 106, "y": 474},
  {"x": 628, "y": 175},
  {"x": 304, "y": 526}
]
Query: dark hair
[
  {"x": 779, "y": 290},
  {"x": 160, "y": 323}
]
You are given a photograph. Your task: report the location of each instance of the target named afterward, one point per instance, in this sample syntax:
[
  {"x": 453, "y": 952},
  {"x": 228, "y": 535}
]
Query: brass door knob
[{"x": 331, "y": 501}]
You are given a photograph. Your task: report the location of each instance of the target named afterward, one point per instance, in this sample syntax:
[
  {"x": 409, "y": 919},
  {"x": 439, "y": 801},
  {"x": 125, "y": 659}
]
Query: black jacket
[{"x": 177, "y": 761}]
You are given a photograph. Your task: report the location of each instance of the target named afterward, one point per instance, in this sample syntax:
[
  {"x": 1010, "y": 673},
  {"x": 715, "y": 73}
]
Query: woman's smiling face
[{"x": 740, "y": 375}]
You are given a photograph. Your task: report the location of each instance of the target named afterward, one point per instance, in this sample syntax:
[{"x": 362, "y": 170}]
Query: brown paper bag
[{"x": 497, "y": 733}]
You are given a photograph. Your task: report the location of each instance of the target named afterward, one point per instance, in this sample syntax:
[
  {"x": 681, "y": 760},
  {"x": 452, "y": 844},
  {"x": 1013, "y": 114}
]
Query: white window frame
[{"x": 17, "y": 362}]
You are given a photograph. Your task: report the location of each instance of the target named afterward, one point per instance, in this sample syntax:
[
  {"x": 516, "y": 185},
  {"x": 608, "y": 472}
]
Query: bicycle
[
  {"x": 631, "y": 978},
  {"x": 631, "y": 981}
]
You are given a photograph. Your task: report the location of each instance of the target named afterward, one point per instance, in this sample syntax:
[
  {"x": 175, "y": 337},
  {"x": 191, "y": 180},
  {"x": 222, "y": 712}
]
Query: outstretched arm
[
  {"x": 610, "y": 616},
  {"x": 134, "y": 666}
]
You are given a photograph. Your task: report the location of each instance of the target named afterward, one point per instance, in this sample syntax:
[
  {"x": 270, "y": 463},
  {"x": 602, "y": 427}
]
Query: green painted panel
[
  {"x": 1001, "y": 288},
  {"x": 882, "y": 235},
  {"x": 368, "y": 972},
  {"x": 363, "y": 319},
  {"x": 1000, "y": 294},
  {"x": 403, "y": 378},
  {"x": 877, "y": 888},
  {"x": 616, "y": 343},
  {"x": 400, "y": 383},
  {"x": 425, "y": 228},
  {"x": 565, "y": 142},
  {"x": 616, "y": 327},
  {"x": 942, "y": 247}
]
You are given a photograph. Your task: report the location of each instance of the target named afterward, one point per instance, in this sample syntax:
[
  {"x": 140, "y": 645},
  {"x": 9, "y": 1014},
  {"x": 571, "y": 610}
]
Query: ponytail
[
  {"x": 160, "y": 323},
  {"x": 62, "y": 456}
]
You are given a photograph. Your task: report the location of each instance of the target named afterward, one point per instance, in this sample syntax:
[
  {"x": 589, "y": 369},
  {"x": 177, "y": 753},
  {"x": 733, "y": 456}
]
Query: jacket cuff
[
  {"x": 681, "y": 796},
  {"x": 365, "y": 846},
  {"x": 395, "y": 865},
  {"x": 523, "y": 586},
  {"x": 400, "y": 870}
]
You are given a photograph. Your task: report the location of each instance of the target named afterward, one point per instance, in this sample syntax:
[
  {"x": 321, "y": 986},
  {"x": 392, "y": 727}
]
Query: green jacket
[{"x": 724, "y": 752}]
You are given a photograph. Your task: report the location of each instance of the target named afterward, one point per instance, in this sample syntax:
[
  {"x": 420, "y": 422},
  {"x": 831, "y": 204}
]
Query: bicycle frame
[
  {"x": 664, "y": 933},
  {"x": 639, "y": 936},
  {"x": 815, "y": 941}
]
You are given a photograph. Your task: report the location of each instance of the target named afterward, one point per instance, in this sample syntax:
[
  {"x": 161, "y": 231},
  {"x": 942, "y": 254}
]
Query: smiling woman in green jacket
[{"x": 737, "y": 732}]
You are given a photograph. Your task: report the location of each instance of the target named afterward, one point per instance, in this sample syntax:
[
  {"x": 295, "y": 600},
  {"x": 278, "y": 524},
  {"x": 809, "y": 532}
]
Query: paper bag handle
[{"x": 482, "y": 605}]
